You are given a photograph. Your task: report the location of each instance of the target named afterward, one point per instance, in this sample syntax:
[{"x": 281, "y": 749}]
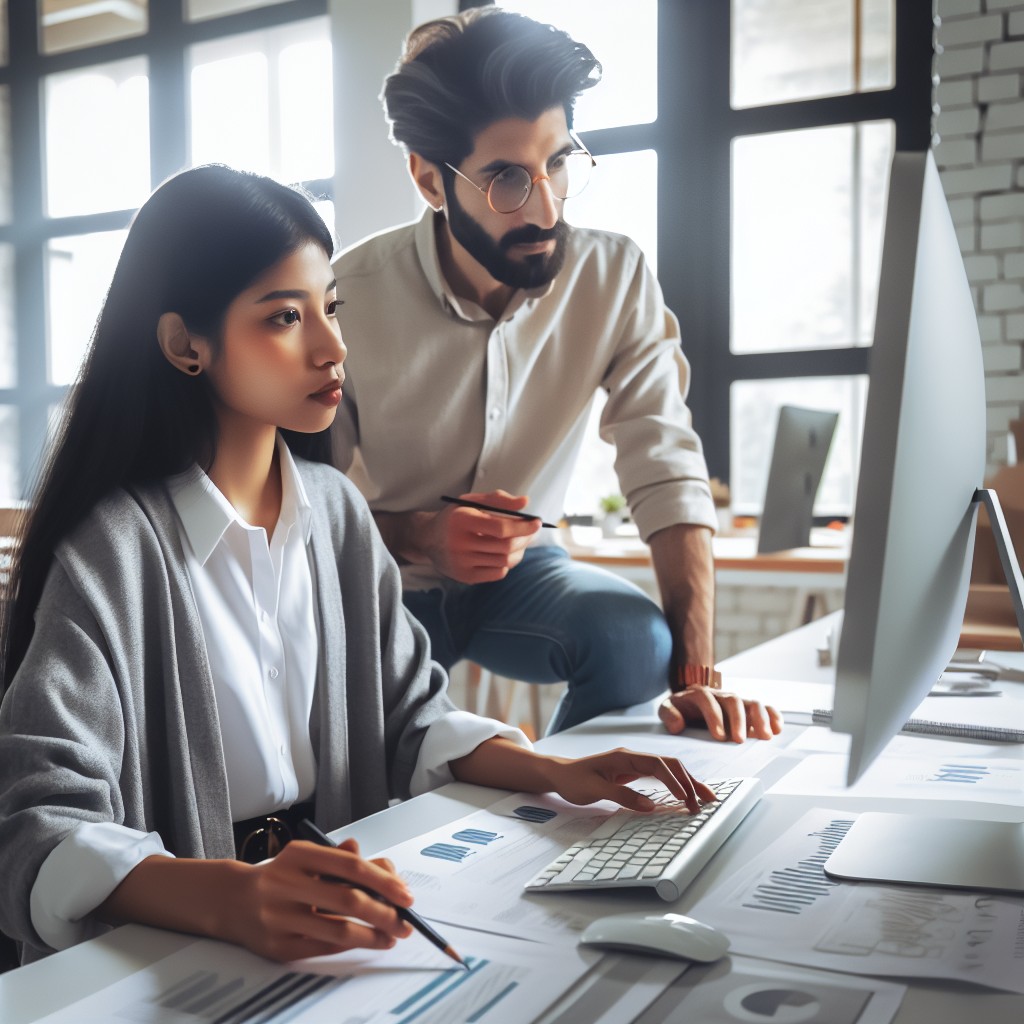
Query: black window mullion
[
  {"x": 884, "y": 104},
  {"x": 693, "y": 203},
  {"x": 915, "y": 50},
  {"x": 824, "y": 362},
  {"x": 168, "y": 92},
  {"x": 623, "y": 139}
]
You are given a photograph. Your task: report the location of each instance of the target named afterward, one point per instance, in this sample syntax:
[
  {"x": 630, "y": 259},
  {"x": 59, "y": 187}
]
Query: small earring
[{"x": 194, "y": 368}]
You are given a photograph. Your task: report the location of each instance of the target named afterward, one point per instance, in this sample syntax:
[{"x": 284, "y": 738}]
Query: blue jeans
[{"x": 553, "y": 619}]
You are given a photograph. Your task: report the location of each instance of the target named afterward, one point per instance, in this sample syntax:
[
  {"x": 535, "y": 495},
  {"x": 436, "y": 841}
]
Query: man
[{"x": 477, "y": 339}]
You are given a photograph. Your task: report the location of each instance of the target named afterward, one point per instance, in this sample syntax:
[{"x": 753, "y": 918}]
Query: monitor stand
[{"x": 909, "y": 849}]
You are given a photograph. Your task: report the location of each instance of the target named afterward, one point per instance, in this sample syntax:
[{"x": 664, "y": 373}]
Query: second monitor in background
[{"x": 802, "y": 441}]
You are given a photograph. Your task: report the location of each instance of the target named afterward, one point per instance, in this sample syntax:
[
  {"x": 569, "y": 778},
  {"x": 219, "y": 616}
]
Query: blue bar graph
[
  {"x": 476, "y": 835},
  {"x": 538, "y": 814},
  {"x": 446, "y": 851}
]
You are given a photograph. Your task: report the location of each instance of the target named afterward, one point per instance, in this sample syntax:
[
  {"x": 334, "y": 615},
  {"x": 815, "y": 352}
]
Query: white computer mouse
[{"x": 657, "y": 934}]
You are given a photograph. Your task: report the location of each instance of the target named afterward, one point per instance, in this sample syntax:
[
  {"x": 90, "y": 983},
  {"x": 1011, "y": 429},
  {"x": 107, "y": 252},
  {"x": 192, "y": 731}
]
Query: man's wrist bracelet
[{"x": 692, "y": 675}]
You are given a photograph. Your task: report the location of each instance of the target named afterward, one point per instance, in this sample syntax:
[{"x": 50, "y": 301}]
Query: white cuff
[
  {"x": 454, "y": 735},
  {"x": 80, "y": 873}
]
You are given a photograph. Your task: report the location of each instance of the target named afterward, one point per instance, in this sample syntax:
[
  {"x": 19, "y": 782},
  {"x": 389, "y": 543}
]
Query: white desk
[{"x": 30, "y": 992}]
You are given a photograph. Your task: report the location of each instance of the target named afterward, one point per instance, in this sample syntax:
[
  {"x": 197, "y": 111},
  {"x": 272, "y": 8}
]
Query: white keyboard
[{"x": 661, "y": 849}]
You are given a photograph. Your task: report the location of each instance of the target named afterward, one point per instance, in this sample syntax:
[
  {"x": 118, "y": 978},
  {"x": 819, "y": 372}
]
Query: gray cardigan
[{"x": 112, "y": 716}]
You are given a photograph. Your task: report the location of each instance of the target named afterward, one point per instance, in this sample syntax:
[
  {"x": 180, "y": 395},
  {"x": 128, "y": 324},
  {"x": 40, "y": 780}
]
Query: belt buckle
[{"x": 266, "y": 841}]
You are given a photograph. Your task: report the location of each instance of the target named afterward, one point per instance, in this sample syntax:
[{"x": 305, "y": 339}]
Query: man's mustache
[{"x": 529, "y": 234}]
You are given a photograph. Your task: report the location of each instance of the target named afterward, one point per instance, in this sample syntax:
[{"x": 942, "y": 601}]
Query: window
[
  {"x": 91, "y": 165},
  {"x": 816, "y": 111},
  {"x": 628, "y": 93},
  {"x": 281, "y": 79},
  {"x": 786, "y": 50},
  {"x": 86, "y": 82},
  {"x": 750, "y": 160}
]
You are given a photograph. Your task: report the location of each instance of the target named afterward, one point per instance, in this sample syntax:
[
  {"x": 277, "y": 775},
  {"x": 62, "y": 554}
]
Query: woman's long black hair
[{"x": 199, "y": 241}]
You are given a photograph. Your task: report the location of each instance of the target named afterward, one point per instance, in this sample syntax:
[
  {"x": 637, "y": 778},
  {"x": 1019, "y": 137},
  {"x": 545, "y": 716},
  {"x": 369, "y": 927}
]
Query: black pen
[
  {"x": 404, "y": 913},
  {"x": 494, "y": 508}
]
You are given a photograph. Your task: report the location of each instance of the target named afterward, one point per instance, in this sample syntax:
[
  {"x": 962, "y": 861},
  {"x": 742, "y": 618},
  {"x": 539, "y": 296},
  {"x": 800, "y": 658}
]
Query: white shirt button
[
  {"x": 272, "y": 672},
  {"x": 495, "y": 413}
]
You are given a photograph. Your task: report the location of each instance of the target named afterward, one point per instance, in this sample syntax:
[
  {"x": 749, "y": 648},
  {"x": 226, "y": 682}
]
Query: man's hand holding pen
[{"x": 472, "y": 545}]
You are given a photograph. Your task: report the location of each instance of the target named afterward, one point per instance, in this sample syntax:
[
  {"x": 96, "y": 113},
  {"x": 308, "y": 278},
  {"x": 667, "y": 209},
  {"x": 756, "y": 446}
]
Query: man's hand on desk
[{"x": 725, "y": 715}]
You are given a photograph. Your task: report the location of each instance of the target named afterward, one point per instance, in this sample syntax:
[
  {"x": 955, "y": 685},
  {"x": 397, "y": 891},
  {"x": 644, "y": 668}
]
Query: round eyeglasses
[{"x": 512, "y": 186}]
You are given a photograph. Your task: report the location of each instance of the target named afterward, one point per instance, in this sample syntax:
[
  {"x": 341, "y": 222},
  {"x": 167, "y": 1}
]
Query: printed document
[{"x": 784, "y": 907}]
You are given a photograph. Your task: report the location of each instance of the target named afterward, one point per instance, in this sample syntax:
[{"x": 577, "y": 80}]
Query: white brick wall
[{"x": 980, "y": 96}]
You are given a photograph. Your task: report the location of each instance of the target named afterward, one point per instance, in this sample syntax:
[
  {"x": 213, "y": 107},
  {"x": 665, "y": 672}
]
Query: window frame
[{"x": 165, "y": 46}]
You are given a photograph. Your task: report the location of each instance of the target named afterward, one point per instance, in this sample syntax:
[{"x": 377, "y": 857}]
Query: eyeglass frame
[{"x": 486, "y": 192}]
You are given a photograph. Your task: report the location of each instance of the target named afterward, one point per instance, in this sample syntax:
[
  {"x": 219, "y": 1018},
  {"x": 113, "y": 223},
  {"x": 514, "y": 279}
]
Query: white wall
[{"x": 372, "y": 189}]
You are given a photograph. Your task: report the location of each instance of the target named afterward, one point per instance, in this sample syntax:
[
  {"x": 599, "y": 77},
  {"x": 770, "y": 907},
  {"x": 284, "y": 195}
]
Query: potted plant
[{"x": 613, "y": 509}]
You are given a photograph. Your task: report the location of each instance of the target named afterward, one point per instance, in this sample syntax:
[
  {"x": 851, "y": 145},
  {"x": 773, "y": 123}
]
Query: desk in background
[
  {"x": 757, "y": 596},
  {"x": 59, "y": 980}
]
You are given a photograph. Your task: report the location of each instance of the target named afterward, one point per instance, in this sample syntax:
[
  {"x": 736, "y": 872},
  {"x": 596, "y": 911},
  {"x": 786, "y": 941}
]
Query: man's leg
[
  {"x": 554, "y": 619},
  {"x": 430, "y": 608}
]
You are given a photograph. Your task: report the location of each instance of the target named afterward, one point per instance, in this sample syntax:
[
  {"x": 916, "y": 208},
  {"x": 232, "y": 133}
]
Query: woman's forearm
[
  {"x": 193, "y": 896},
  {"x": 500, "y": 763}
]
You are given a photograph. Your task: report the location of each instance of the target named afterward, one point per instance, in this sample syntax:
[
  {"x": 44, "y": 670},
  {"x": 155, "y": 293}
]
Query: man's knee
[{"x": 627, "y": 630}]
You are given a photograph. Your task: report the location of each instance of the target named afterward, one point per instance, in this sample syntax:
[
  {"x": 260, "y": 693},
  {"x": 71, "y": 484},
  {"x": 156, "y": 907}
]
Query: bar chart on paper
[
  {"x": 782, "y": 905},
  {"x": 214, "y": 983}
]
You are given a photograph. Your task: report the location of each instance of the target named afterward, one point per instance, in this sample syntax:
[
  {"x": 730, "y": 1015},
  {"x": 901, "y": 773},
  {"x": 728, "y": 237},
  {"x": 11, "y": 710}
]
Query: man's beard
[{"x": 532, "y": 271}]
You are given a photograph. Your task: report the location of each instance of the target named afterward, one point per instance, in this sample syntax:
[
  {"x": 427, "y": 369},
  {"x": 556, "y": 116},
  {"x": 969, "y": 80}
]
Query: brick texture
[{"x": 987, "y": 194}]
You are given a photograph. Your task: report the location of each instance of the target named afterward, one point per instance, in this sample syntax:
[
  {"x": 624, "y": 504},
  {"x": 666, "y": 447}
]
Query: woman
[{"x": 206, "y": 638}]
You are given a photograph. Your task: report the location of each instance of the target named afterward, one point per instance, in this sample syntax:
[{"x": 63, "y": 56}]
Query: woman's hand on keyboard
[
  {"x": 606, "y": 777},
  {"x": 725, "y": 715}
]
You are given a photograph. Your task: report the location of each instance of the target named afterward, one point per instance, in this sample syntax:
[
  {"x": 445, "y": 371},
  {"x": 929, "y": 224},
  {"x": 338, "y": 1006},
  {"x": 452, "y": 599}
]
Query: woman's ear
[
  {"x": 183, "y": 351},
  {"x": 427, "y": 179}
]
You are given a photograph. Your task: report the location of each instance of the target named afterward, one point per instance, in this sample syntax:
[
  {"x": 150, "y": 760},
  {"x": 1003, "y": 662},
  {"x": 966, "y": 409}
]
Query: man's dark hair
[{"x": 459, "y": 74}]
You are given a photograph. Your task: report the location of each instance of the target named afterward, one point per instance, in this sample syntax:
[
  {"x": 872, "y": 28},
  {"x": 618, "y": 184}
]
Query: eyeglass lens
[{"x": 511, "y": 187}]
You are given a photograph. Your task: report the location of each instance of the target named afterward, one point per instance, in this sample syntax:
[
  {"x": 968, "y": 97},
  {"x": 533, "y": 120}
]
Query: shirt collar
[
  {"x": 426, "y": 249},
  {"x": 206, "y": 514}
]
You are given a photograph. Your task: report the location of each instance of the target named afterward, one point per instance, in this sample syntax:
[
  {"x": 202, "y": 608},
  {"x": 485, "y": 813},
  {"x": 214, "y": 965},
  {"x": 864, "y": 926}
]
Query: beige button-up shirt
[{"x": 443, "y": 399}]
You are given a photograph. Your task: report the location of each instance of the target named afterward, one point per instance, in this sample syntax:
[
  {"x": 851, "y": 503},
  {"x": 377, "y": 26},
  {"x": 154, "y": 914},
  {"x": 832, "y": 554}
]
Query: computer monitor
[
  {"x": 802, "y": 440},
  {"x": 922, "y": 465}
]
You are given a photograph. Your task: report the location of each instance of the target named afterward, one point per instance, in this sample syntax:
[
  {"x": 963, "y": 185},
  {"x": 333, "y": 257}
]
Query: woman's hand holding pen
[
  {"x": 473, "y": 546},
  {"x": 293, "y": 906}
]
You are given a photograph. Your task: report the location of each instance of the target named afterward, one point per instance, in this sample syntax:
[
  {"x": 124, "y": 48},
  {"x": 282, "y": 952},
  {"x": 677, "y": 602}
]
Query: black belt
[{"x": 265, "y": 835}]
